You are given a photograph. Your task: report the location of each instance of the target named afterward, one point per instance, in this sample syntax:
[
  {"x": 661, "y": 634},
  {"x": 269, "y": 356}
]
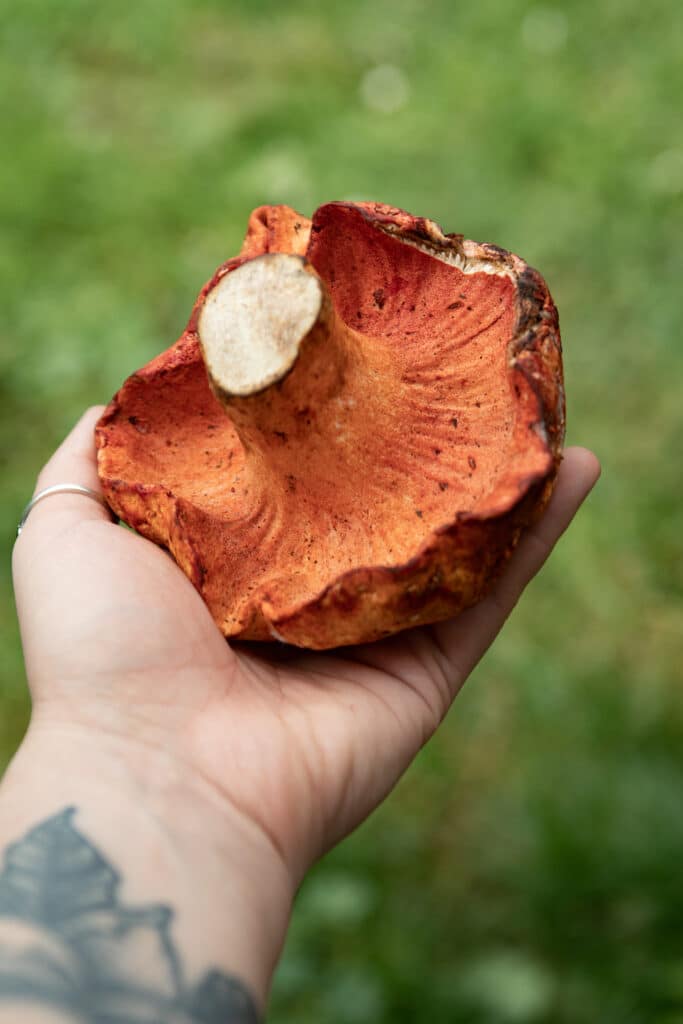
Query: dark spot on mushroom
[
  {"x": 478, "y": 405},
  {"x": 281, "y": 434},
  {"x": 437, "y": 451},
  {"x": 378, "y": 296},
  {"x": 346, "y": 600},
  {"x": 454, "y": 421},
  {"x": 471, "y": 462},
  {"x": 469, "y": 309},
  {"x": 418, "y": 513},
  {"x": 443, "y": 486},
  {"x": 455, "y": 305},
  {"x": 139, "y": 425}
]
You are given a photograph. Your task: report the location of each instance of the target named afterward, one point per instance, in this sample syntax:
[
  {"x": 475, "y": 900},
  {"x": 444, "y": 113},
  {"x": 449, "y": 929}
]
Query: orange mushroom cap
[{"x": 383, "y": 415}]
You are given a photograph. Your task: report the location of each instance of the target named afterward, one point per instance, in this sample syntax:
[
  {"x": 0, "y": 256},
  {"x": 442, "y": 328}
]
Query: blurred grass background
[{"x": 530, "y": 866}]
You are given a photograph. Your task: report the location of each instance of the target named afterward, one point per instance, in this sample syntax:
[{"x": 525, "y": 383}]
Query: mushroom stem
[{"x": 272, "y": 344}]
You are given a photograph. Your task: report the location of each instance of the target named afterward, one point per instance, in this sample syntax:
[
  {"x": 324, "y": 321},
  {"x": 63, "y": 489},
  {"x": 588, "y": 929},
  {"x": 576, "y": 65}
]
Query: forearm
[{"x": 126, "y": 879}]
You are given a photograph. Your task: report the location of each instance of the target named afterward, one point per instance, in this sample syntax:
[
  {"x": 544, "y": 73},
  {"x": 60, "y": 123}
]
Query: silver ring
[{"x": 58, "y": 489}]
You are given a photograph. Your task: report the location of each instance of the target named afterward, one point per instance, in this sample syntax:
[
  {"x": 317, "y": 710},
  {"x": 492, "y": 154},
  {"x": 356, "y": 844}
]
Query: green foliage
[{"x": 528, "y": 869}]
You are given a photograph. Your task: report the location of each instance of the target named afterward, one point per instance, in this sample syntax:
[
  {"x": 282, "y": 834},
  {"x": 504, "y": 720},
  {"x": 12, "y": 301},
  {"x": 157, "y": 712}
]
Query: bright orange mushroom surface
[{"x": 382, "y": 416}]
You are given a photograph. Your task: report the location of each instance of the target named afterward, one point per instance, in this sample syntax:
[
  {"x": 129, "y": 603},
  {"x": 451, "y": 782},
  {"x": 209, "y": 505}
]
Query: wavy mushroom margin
[{"x": 456, "y": 564}]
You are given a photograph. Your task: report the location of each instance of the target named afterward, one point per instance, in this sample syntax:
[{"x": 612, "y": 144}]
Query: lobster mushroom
[{"x": 358, "y": 423}]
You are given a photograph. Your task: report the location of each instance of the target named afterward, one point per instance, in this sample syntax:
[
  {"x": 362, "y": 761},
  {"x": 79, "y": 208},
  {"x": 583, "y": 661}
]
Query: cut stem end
[{"x": 253, "y": 323}]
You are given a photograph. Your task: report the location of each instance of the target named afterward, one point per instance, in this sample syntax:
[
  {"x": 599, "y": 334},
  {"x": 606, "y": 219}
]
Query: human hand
[
  {"x": 117, "y": 640},
  {"x": 122, "y": 655}
]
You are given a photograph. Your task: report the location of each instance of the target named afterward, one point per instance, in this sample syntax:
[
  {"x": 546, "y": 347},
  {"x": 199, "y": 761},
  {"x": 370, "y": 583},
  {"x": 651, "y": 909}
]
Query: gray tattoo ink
[{"x": 67, "y": 943}]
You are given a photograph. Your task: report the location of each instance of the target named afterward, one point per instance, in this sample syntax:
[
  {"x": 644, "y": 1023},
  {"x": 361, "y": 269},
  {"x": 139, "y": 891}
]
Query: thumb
[{"x": 463, "y": 640}]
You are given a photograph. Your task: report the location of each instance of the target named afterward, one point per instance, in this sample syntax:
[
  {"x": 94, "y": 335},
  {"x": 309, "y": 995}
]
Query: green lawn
[{"x": 529, "y": 869}]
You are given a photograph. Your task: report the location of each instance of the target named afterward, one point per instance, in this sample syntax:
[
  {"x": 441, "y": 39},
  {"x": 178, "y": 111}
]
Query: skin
[{"x": 191, "y": 759}]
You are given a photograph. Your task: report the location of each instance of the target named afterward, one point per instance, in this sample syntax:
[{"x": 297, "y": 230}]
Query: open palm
[{"x": 304, "y": 744}]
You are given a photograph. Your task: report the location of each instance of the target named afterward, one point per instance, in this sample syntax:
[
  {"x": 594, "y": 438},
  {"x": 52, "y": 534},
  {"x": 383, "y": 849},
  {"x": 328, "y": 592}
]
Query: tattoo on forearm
[{"x": 67, "y": 943}]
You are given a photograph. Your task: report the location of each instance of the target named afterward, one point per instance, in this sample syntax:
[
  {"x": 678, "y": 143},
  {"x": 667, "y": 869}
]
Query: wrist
[{"x": 171, "y": 836}]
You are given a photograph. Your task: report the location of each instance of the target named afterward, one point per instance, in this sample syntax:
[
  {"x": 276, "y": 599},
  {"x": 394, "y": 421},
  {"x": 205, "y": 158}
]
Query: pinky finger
[{"x": 74, "y": 463}]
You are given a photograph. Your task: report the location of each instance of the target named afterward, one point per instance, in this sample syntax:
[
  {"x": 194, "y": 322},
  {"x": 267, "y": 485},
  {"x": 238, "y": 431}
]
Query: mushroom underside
[{"x": 417, "y": 467}]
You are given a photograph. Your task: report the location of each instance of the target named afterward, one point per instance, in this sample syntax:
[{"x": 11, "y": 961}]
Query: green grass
[{"x": 529, "y": 867}]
